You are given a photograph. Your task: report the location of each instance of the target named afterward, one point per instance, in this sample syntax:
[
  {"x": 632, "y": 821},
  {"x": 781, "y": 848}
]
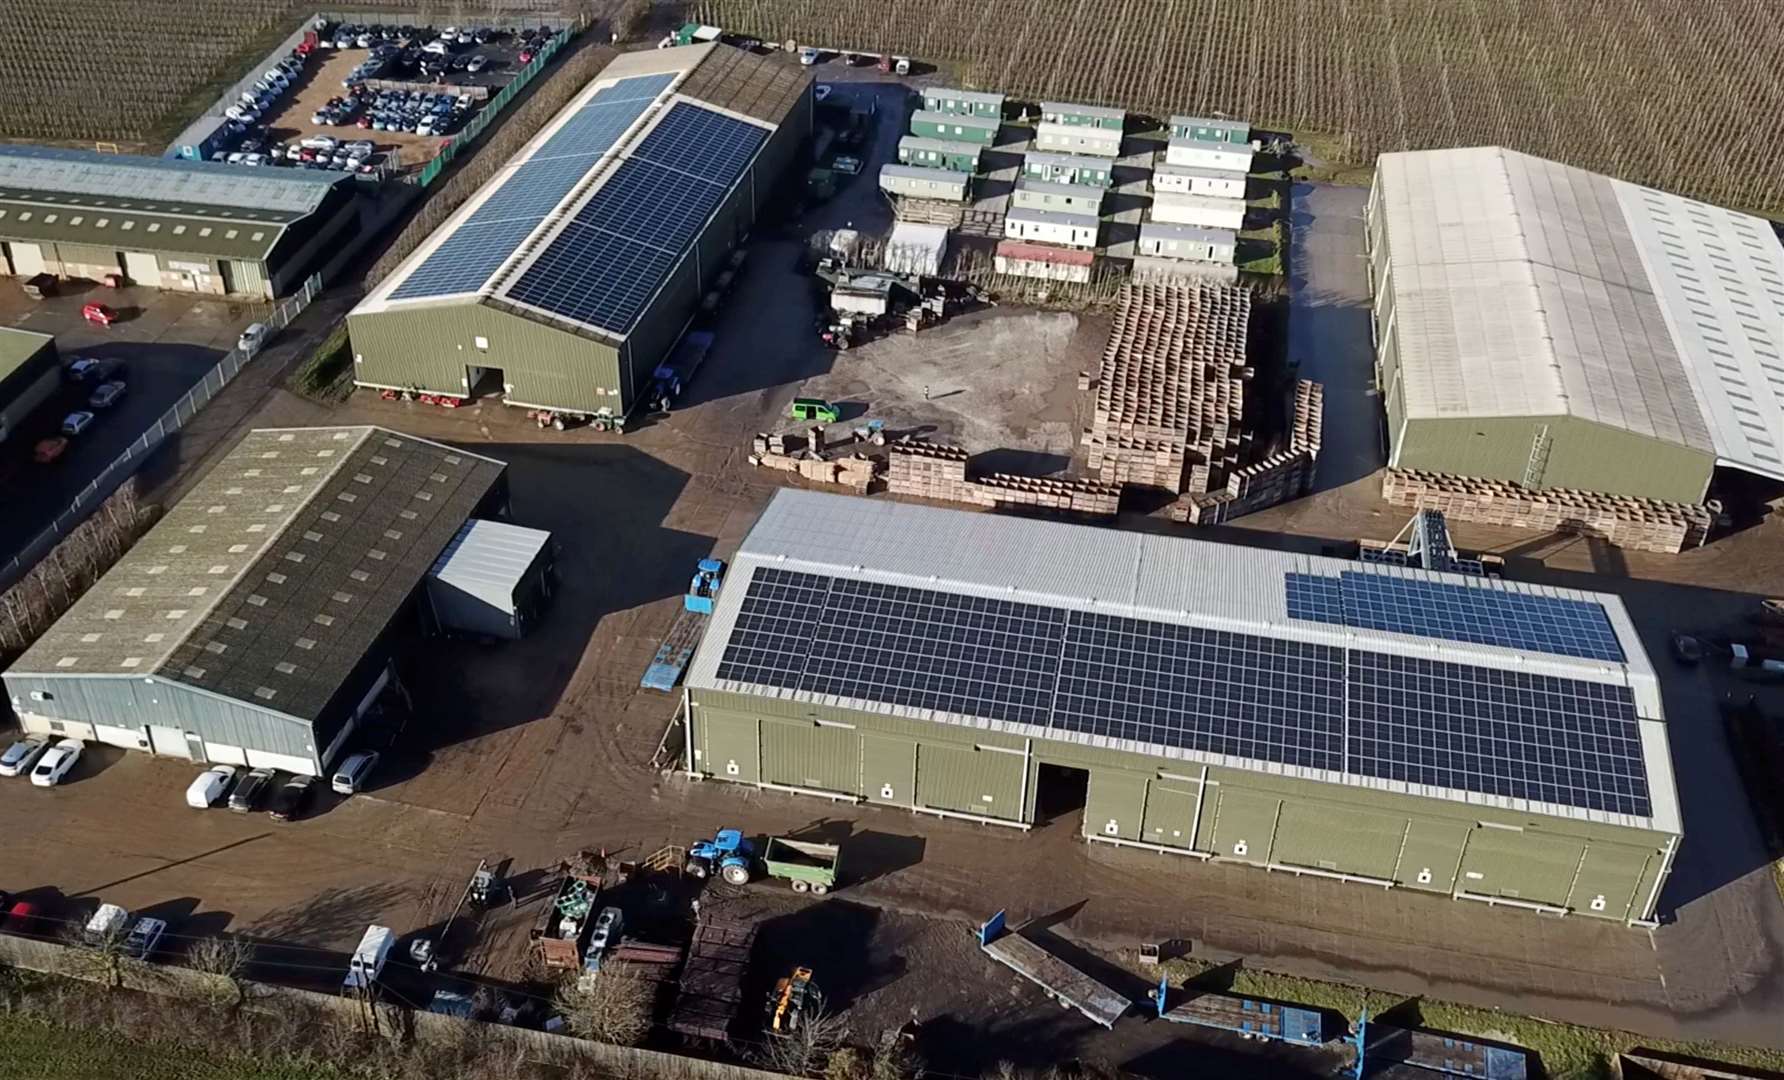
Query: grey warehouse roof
[
  {"x": 1178, "y": 582},
  {"x": 1523, "y": 287},
  {"x": 145, "y": 180},
  {"x": 273, "y": 576}
]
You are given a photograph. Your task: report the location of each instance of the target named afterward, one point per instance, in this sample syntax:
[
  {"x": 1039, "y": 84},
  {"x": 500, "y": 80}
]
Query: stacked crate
[
  {"x": 1170, "y": 394},
  {"x": 1638, "y": 524},
  {"x": 930, "y": 471},
  {"x": 1284, "y": 475}
]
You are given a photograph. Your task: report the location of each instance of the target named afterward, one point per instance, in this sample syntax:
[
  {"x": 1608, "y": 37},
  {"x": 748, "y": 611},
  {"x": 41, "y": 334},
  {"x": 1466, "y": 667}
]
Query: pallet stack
[
  {"x": 1284, "y": 475},
  {"x": 931, "y": 471},
  {"x": 1637, "y": 524},
  {"x": 1170, "y": 394}
]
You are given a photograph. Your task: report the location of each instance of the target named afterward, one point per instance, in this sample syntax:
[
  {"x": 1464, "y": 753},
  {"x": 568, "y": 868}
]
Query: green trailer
[{"x": 810, "y": 867}]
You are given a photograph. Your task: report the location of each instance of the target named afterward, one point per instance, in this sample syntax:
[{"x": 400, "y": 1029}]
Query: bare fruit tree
[
  {"x": 225, "y": 960},
  {"x": 611, "y": 1007}
]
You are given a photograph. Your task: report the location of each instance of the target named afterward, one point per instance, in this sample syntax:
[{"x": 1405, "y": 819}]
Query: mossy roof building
[
  {"x": 1474, "y": 738},
  {"x": 1555, "y": 328},
  {"x": 565, "y": 279}
]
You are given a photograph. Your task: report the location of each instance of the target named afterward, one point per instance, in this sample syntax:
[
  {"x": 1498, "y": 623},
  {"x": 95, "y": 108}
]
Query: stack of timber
[
  {"x": 932, "y": 471},
  {"x": 1170, "y": 394},
  {"x": 1637, "y": 524}
]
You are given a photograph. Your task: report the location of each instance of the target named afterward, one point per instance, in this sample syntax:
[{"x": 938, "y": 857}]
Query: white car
[
  {"x": 56, "y": 762},
  {"x": 478, "y": 63},
  {"x": 21, "y": 755},
  {"x": 210, "y": 787},
  {"x": 350, "y": 778},
  {"x": 808, "y": 57}
]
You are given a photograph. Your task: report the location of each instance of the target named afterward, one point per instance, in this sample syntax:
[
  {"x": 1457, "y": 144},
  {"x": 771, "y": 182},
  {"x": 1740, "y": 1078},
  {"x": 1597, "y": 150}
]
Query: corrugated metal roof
[
  {"x": 490, "y": 559},
  {"x": 1102, "y": 112},
  {"x": 1054, "y": 217},
  {"x": 160, "y": 227},
  {"x": 1076, "y": 161},
  {"x": 1171, "y": 579},
  {"x": 1208, "y": 122},
  {"x": 925, "y": 172},
  {"x": 1017, "y": 249},
  {"x": 942, "y": 146},
  {"x": 1054, "y": 187},
  {"x": 146, "y": 179},
  {"x": 978, "y": 96},
  {"x": 272, "y": 577},
  {"x": 1164, "y": 230},
  {"x": 1523, "y": 287},
  {"x": 1211, "y": 145},
  {"x": 965, "y": 120}
]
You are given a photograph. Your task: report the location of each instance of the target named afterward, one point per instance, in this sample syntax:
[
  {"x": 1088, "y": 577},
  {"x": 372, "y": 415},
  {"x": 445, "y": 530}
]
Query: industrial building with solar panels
[
  {"x": 1462, "y": 735},
  {"x": 569, "y": 276}
]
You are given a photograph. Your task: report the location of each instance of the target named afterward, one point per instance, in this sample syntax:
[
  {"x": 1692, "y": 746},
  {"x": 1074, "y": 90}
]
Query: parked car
[
  {"x": 21, "y": 755},
  {"x": 76, "y": 422},
  {"x": 350, "y": 778},
  {"x": 110, "y": 921},
  {"x": 292, "y": 799},
  {"x": 253, "y": 337},
  {"x": 106, "y": 396},
  {"x": 145, "y": 936},
  {"x": 50, "y": 450},
  {"x": 247, "y": 794},
  {"x": 526, "y": 56},
  {"x": 210, "y": 786},
  {"x": 55, "y": 763},
  {"x": 99, "y": 314},
  {"x": 808, "y": 56},
  {"x": 25, "y": 918},
  {"x": 93, "y": 372},
  {"x": 477, "y": 63}
]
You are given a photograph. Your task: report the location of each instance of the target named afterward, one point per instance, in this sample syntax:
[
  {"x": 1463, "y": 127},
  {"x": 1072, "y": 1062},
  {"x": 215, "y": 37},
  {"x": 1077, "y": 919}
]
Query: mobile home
[
  {"x": 1032, "y": 194},
  {"x": 939, "y": 153},
  {"x": 954, "y": 127},
  {"x": 1195, "y": 180},
  {"x": 1207, "y": 211},
  {"x": 1059, "y": 138},
  {"x": 1208, "y": 154},
  {"x": 1052, "y": 227},
  {"x": 940, "y": 99},
  {"x": 917, "y": 182},
  {"x": 1069, "y": 169},
  {"x": 1204, "y": 129}
]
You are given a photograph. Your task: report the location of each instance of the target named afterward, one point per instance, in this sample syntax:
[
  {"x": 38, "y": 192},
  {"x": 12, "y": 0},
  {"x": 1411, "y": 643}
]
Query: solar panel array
[
  {"x": 617, "y": 250},
  {"x": 466, "y": 259},
  {"x": 1513, "y": 734},
  {"x": 1454, "y": 612}
]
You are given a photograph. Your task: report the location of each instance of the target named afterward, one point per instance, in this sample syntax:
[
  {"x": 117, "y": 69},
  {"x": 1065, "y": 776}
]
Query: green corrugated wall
[{"x": 1581, "y": 455}]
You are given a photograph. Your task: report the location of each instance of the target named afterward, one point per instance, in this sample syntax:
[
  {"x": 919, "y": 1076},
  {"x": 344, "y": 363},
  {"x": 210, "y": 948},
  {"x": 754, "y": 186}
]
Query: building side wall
[
  {"x": 1580, "y": 455},
  {"x": 1280, "y": 823},
  {"x": 431, "y": 349},
  {"x": 130, "y": 706}
]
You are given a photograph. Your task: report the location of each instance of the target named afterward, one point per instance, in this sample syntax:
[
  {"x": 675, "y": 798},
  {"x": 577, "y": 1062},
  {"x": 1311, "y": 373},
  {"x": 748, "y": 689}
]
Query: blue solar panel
[
  {"x": 530, "y": 192},
  {"x": 1553, "y": 740},
  {"x": 1453, "y": 612},
  {"x": 659, "y": 203},
  {"x": 650, "y": 205},
  {"x": 593, "y": 277},
  {"x": 701, "y": 143},
  {"x": 465, "y": 260},
  {"x": 1509, "y": 733}
]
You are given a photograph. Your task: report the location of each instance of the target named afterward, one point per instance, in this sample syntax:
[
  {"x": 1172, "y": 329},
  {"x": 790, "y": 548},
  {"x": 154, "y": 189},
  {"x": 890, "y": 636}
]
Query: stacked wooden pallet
[
  {"x": 1638, "y": 524},
  {"x": 931, "y": 471},
  {"x": 1170, "y": 394}
]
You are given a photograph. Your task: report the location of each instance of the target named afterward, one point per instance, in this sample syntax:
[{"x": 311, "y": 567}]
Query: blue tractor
[
  {"x": 709, "y": 574},
  {"x": 727, "y": 854}
]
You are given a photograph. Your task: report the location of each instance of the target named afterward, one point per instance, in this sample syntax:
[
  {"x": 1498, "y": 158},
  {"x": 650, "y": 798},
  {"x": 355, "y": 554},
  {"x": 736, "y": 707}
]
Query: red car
[
  {"x": 99, "y": 313},
  {"x": 24, "y": 919},
  {"x": 526, "y": 56}
]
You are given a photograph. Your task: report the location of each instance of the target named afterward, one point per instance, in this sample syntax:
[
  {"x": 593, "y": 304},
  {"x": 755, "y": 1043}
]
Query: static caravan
[
  {"x": 1203, "y": 129},
  {"x": 940, "y": 99},
  {"x": 1207, "y": 211},
  {"x": 954, "y": 128},
  {"x": 939, "y": 153},
  {"x": 1057, "y": 138},
  {"x": 1194, "y": 180},
  {"x": 1069, "y": 169},
  {"x": 917, "y": 182},
  {"x": 1044, "y": 261},
  {"x": 1032, "y": 194},
  {"x": 1055, "y": 112},
  {"x": 1188, "y": 243},
  {"x": 1052, "y": 227},
  {"x": 1207, "y": 154}
]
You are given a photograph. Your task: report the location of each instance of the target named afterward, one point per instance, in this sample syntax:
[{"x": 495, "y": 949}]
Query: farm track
[{"x": 1653, "y": 91}]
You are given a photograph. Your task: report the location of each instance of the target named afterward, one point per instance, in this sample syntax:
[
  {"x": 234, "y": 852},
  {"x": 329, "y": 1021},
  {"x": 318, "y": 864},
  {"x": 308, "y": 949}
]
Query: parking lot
[
  {"x": 523, "y": 753},
  {"x": 167, "y": 342},
  {"x": 323, "y": 80}
]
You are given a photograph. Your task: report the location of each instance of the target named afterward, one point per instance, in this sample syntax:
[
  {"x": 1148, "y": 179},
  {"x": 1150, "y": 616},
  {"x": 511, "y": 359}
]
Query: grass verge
[
  {"x": 36, "y": 1049},
  {"x": 1260, "y": 250},
  {"x": 1568, "y": 1051},
  {"x": 327, "y": 374}
]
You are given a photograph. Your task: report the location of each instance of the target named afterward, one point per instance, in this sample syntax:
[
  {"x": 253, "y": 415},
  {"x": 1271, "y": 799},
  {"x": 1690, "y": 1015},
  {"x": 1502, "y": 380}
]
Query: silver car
[{"x": 21, "y": 755}]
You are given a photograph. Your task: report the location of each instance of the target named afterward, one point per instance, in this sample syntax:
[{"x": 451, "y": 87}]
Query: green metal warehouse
[
  {"x": 1551, "y": 327},
  {"x": 257, "y": 622},
  {"x": 564, "y": 281},
  {"x": 1480, "y": 739},
  {"x": 165, "y": 223}
]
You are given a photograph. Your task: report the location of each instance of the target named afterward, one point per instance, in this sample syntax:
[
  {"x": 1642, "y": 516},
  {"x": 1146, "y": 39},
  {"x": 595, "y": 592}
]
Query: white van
[
  {"x": 368, "y": 959},
  {"x": 107, "y": 924}
]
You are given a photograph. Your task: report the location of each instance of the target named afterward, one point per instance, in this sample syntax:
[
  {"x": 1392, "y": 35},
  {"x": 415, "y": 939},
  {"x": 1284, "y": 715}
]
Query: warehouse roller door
[
  {"x": 888, "y": 769},
  {"x": 726, "y": 745},
  {"x": 1522, "y": 865},
  {"x": 1170, "y": 813},
  {"x": 142, "y": 268},
  {"x": 1340, "y": 839},
  {"x": 805, "y": 754},
  {"x": 1245, "y": 824},
  {"x": 970, "y": 780},
  {"x": 27, "y": 259}
]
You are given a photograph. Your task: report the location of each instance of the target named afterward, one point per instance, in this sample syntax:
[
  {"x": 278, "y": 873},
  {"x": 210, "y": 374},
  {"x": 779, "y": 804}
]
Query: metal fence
[
  {"x": 491, "y": 109},
  {"x": 171, "y": 421}
]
